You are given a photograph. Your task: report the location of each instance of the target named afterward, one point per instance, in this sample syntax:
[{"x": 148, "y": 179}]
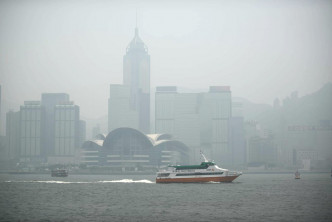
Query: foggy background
[{"x": 262, "y": 49}]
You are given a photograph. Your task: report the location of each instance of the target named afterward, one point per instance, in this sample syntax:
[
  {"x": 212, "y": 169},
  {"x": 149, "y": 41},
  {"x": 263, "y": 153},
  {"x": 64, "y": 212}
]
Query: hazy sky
[{"x": 263, "y": 49}]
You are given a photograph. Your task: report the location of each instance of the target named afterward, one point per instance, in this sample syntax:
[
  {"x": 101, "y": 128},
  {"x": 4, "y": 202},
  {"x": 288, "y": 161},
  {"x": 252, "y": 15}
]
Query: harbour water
[{"x": 251, "y": 197}]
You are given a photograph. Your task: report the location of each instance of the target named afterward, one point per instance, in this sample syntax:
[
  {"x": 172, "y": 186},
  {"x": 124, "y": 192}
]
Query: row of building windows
[
  {"x": 64, "y": 146},
  {"x": 30, "y": 128},
  {"x": 30, "y": 146},
  {"x": 65, "y": 114},
  {"x": 31, "y": 114},
  {"x": 64, "y": 129},
  {"x": 219, "y": 130}
]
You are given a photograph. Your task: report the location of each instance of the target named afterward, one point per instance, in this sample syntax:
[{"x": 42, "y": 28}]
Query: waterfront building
[
  {"x": 46, "y": 131},
  {"x": 13, "y": 136},
  {"x": 238, "y": 141},
  {"x": 66, "y": 133},
  {"x": 129, "y": 104},
  {"x": 127, "y": 149},
  {"x": 82, "y": 133},
  {"x": 200, "y": 120},
  {"x": 49, "y": 101},
  {"x": 262, "y": 151},
  {"x": 31, "y": 125},
  {"x": 308, "y": 145}
]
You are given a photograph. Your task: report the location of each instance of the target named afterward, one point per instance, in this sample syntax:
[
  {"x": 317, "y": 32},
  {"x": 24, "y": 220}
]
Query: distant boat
[
  {"x": 297, "y": 175},
  {"x": 59, "y": 173}
]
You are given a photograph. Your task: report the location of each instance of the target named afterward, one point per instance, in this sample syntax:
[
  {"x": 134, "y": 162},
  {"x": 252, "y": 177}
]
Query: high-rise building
[
  {"x": 66, "y": 133},
  {"x": 66, "y": 129},
  {"x": 135, "y": 92},
  {"x": 95, "y": 131},
  {"x": 136, "y": 75},
  {"x": 31, "y": 120},
  {"x": 49, "y": 101},
  {"x": 238, "y": 141},
  {"x": 200, "y": 120},
  {"x": 120, "y": 113},
  {"x": 13, "y": 136},
  {"x": 82, "y": 133},
  {"x": 46, "y": 131}
]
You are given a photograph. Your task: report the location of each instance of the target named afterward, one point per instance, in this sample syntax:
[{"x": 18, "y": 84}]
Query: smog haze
[{"x": 262, "y": 49}]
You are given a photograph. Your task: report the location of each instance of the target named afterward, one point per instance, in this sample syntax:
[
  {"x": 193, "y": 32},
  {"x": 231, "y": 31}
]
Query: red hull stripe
[{"x": 196, "y": 180}]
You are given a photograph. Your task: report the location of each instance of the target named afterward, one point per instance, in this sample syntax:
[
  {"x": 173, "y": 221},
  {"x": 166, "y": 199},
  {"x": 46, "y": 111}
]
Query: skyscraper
[
  {"x": 136, "y": 75},
  {"x": 46, "y": 131},
  {"x": 120, "y": 113},
  {"x": 66, "y": 132},
  {"x": 200, "y": 120},
  {"x": 49, "y": 101},
  {"x": 13, "y": 135},
  {"x": 31, "y": 116}
]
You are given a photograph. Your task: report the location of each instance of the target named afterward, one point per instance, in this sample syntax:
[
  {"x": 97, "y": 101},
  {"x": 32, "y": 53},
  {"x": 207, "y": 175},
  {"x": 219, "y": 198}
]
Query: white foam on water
[
  {"x": 79, "y": 182},
  {"x": 126, "y": 181},
  {"x": 43, "y": 181}
]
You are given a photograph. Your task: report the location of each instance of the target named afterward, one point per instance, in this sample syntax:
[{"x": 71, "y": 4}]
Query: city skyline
[
  {"x": 101, "y": 101},
  {"x": 192, "y": 47}
]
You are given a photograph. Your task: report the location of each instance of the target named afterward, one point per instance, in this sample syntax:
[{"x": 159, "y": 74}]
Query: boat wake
[
  {"x": 81, "y": 182},
  {"x": 212, "y": 182},
  {"x": 44, "y": 181},
  {"x": 126, "y": 181}
]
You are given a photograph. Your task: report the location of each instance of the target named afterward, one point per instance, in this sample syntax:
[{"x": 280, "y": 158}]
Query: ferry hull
[{"x": 197, "y": 179}]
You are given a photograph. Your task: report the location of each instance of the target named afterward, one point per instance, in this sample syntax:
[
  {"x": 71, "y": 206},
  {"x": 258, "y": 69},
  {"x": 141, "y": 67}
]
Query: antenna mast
[
  {"x": 136, "y": 17},
  {"x": 205, "y": 159}
]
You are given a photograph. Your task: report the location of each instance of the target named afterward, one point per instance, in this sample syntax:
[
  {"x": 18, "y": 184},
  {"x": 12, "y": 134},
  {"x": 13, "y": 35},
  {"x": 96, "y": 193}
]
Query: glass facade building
[
  {"x": 129, "y": 104},
  {"x": 136, "y": 75},
  {"x": 120, "y": 113},
  {"x": 49, "y": 101},
  {"x": 127, "y": 149},
  {"x": 46, "y": 131},
  {"x": 31, "y": 116},
  {"x": 13, "y": 135},
  {"x": 66, "y": 130},
  {"x": 200, "y": 120}
]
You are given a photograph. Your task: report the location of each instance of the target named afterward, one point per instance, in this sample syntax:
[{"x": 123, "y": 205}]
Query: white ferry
[{"x": 207, "y": 171}]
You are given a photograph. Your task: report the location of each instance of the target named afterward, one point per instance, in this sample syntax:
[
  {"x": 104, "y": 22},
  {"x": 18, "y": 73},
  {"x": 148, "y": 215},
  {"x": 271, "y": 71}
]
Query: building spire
[
  {"x": 136, "y": 28},
  {"x": 137, "y": 43}
]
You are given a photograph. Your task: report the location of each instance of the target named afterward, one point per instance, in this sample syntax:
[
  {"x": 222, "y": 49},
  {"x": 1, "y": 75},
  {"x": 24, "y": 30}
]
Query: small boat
[
  {"x": 59, "y": 173},
  {"x": 297, "y": 175},
  {"x": 207, "y": 171}
]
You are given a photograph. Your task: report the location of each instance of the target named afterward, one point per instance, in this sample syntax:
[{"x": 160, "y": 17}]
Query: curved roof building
[{"x": 128, "y": 149}]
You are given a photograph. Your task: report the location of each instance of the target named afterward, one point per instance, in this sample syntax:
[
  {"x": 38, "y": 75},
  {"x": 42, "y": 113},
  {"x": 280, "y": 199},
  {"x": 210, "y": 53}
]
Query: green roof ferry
[{"x": 207, "y": 171}]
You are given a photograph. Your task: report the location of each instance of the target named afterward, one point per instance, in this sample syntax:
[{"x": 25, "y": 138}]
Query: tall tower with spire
[{"x": 136, "y": 75}]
